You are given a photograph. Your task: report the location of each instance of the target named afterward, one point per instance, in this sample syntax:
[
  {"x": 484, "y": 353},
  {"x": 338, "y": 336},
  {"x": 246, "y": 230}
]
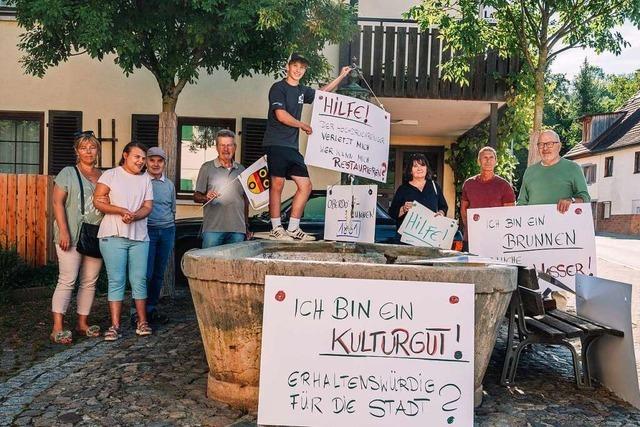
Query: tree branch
[
  {"x": 570, "y": 27},
  {"x": 78, "y": 53},
  {"x": 521, "y": 39},
  {"x": 558, "y": 52},
  {"x": 530, "y": 21}
]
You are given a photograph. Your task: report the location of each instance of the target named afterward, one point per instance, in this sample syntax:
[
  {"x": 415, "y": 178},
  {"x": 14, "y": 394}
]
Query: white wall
[
  {"x": 622, "y": 187},
  {"x": 384, "y": 8}
]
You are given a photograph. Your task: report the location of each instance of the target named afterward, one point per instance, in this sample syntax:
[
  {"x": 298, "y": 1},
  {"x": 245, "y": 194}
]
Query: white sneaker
[
  {"x": 279, "y": 233},
  {"x": 298, "y": 234}
]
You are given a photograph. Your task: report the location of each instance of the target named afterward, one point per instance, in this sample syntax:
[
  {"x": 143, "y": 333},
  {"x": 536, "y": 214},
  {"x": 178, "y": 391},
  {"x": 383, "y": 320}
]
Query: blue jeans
[
  {"x": 122, "y": 256},
  {"x": 161, "y": 242},
  {"x": 217, "y": 238}
]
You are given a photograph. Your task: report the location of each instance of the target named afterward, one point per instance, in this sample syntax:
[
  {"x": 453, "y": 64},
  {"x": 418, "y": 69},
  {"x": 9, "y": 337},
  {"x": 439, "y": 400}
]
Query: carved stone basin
[{"x": 227, "y": 286}]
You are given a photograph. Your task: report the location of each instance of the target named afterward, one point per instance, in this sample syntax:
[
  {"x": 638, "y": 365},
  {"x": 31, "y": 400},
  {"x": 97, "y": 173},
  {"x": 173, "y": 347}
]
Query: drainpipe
[{"x": 493, "y": 126}]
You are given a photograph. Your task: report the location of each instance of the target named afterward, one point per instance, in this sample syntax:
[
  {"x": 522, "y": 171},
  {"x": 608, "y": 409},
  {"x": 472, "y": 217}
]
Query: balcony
[{"x": 400, "y": 61}]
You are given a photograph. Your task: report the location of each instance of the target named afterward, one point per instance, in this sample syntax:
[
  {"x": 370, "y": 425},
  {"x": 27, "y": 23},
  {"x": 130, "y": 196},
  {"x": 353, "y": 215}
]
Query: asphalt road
[{"x": 624, "y": 251}]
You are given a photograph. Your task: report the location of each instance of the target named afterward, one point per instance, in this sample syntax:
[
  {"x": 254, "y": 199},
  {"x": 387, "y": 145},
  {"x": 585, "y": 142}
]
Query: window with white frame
[
  {"x": 606, "y": 210},
  {"x": 635, "y": 206},
  {"x": 21, "y": 142},
  {"x": 608, "y": 166},
  {"x": 589, "y": 171},
  {"x": 197, "y": 145}
]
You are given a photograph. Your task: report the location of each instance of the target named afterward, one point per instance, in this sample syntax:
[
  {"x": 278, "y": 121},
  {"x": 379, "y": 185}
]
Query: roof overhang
[{"x": 435, "y": 117}]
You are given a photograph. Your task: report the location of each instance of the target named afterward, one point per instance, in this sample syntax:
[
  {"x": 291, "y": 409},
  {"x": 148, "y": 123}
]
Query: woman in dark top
[{"x": 417, "y": 186}]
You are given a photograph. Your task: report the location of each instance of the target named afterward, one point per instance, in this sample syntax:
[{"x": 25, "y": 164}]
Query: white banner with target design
[{"x": 255, "y": 182}]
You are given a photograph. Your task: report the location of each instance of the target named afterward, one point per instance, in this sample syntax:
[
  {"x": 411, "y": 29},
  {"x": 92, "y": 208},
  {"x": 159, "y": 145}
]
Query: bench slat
[
  {"x": 545, "y": 329},
  {"x": 567, "y": 328},
  {"x": 587, "y": 324}
]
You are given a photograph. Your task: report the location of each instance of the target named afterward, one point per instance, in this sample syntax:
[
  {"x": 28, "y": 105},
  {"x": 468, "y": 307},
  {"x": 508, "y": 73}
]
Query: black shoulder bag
[{"x": 88, "y": 237}]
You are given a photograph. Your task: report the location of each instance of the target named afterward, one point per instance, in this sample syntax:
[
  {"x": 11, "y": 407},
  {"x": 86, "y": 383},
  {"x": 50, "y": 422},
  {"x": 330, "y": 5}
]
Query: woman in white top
[{"x": 125, "y": 196}]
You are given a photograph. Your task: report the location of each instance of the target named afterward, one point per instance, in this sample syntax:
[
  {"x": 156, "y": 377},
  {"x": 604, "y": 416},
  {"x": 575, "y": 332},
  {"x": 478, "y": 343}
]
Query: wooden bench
[{"x": 534, "y": 320}]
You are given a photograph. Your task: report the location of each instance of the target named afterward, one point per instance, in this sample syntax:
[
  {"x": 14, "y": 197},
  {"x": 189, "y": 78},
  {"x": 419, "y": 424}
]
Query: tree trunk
[
  {"x": 168, "y": 141},
  {"x": 538, "y": 110}
]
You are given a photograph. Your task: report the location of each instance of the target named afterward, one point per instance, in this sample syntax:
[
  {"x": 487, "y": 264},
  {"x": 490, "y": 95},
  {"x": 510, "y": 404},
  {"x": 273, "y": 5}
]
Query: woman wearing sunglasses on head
[{"x": 69, "y": 215}]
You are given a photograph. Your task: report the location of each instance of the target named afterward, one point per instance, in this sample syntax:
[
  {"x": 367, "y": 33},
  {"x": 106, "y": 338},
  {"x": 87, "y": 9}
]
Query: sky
[{"x": 628, "y": 61}]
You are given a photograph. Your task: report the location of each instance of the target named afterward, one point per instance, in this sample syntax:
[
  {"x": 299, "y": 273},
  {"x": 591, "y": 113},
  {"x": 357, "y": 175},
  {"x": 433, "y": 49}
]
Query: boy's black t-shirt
[{"x": 291, "y": 99}]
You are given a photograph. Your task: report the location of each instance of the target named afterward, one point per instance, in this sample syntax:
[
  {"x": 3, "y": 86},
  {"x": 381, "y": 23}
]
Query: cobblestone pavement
[{"x": 161, "y": 381}]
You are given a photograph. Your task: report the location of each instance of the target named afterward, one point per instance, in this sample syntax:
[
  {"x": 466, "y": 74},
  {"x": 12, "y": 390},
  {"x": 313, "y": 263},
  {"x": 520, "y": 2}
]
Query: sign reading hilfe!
[
  {"x": 366, "y": 352},
  {"x": 423, "y": 227},
  {"x": 350, "y": 213},
  {"x": 349, "y": 135},
  {"x": 562, "y": 245}
]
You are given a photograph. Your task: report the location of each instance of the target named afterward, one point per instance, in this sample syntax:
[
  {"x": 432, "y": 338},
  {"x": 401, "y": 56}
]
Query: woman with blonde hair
[{"x": 69, "y": 215}]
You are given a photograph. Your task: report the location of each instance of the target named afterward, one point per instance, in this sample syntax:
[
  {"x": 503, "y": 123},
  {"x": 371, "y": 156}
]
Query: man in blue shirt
[
  {"x": 286, "y": 99},
  {"x": 162, "y": 230}
]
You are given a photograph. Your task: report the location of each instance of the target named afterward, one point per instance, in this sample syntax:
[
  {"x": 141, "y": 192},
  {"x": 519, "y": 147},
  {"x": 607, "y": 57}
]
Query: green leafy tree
[
  {"x": 177, "y": 40},
  {"x": 535, "y": 30},
  {"x": 620, "y": 89},
  {"x": 559, "y": 108},
  {"x": 590, "y": 92},
  {"x": 589, "y": 89}
]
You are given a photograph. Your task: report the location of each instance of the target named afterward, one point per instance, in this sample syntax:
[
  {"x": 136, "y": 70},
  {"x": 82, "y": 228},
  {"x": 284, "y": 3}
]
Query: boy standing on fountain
[{"x": 281, "y": 144}]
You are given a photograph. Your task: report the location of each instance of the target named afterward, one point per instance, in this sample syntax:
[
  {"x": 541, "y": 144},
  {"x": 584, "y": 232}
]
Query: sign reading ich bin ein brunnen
[
  {"x": 363, "y": 352},
  {"x": 562, "y": 245},
  {"x": 349, "y": 135}
]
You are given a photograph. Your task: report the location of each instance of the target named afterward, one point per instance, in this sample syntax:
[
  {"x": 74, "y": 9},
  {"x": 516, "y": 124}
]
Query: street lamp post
[{"x": 352, "y": 88}]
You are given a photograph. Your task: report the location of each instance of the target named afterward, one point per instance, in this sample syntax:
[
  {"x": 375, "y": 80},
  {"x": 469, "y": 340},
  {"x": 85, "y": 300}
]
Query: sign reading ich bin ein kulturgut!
[
  {"x": 562, "y": 245},
  {"x": 349, "y": 135},
  {"x": 363, "y": 352}
]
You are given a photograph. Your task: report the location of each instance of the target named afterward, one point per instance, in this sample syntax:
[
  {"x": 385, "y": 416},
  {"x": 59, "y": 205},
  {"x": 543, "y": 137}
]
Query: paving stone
[{"x": 161, "y": 381}]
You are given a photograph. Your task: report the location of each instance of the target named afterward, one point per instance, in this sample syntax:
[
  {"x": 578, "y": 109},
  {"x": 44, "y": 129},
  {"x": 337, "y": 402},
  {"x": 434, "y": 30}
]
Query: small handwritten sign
[
  {"x": 341, "y": 352},
  {"x": 349, "y": 135},
  {"x": 562, "y": 245},
  {"x": 422, "y": 227},
  {"x": 350, "y": 214}
]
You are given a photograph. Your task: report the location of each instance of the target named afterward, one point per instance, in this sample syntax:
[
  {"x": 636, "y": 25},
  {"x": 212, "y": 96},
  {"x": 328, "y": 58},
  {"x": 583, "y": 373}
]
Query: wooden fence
[{"x": 26, "y": 216}]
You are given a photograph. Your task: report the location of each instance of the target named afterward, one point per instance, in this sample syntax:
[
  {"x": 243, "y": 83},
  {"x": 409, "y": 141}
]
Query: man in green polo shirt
[{"x": 554, "y": 180}]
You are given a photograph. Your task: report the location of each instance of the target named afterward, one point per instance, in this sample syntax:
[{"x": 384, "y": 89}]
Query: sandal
[
  {"x": 62, "y": 337},
  {"x": 112, "y": 334},
  {"x": 143, "y": 329},
  {"x": 92, "y": 331}
]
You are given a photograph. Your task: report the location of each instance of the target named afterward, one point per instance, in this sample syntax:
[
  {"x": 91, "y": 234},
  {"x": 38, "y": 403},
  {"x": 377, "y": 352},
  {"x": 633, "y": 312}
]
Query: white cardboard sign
[
  {"x": 562, "y": 245},
  {"x": 349, "y": 135},
  {"x": 255, "y": 183},
  {"x": 364, "y": 352},
  {"x": 609, "y": 303},
  {"x": 350, "y": 213},
  {"x": 422, "y": 227}
]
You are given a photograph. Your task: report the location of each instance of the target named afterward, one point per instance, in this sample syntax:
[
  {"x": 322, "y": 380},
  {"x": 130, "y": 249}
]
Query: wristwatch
[{"x": 573, "y": 199}]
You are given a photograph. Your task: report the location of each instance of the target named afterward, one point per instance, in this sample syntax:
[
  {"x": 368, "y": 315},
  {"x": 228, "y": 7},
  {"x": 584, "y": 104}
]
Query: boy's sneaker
[
  {"x": 279, "y": 233},
  {"x": 298, "y": 234}
]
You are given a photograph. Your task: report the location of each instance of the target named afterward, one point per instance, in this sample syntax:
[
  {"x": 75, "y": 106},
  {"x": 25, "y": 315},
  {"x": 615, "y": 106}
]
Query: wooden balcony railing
[{"x": 398, "y": 60}]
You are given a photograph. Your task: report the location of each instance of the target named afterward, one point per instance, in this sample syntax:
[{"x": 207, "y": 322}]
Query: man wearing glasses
[{"x": 554, "y": 180}]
